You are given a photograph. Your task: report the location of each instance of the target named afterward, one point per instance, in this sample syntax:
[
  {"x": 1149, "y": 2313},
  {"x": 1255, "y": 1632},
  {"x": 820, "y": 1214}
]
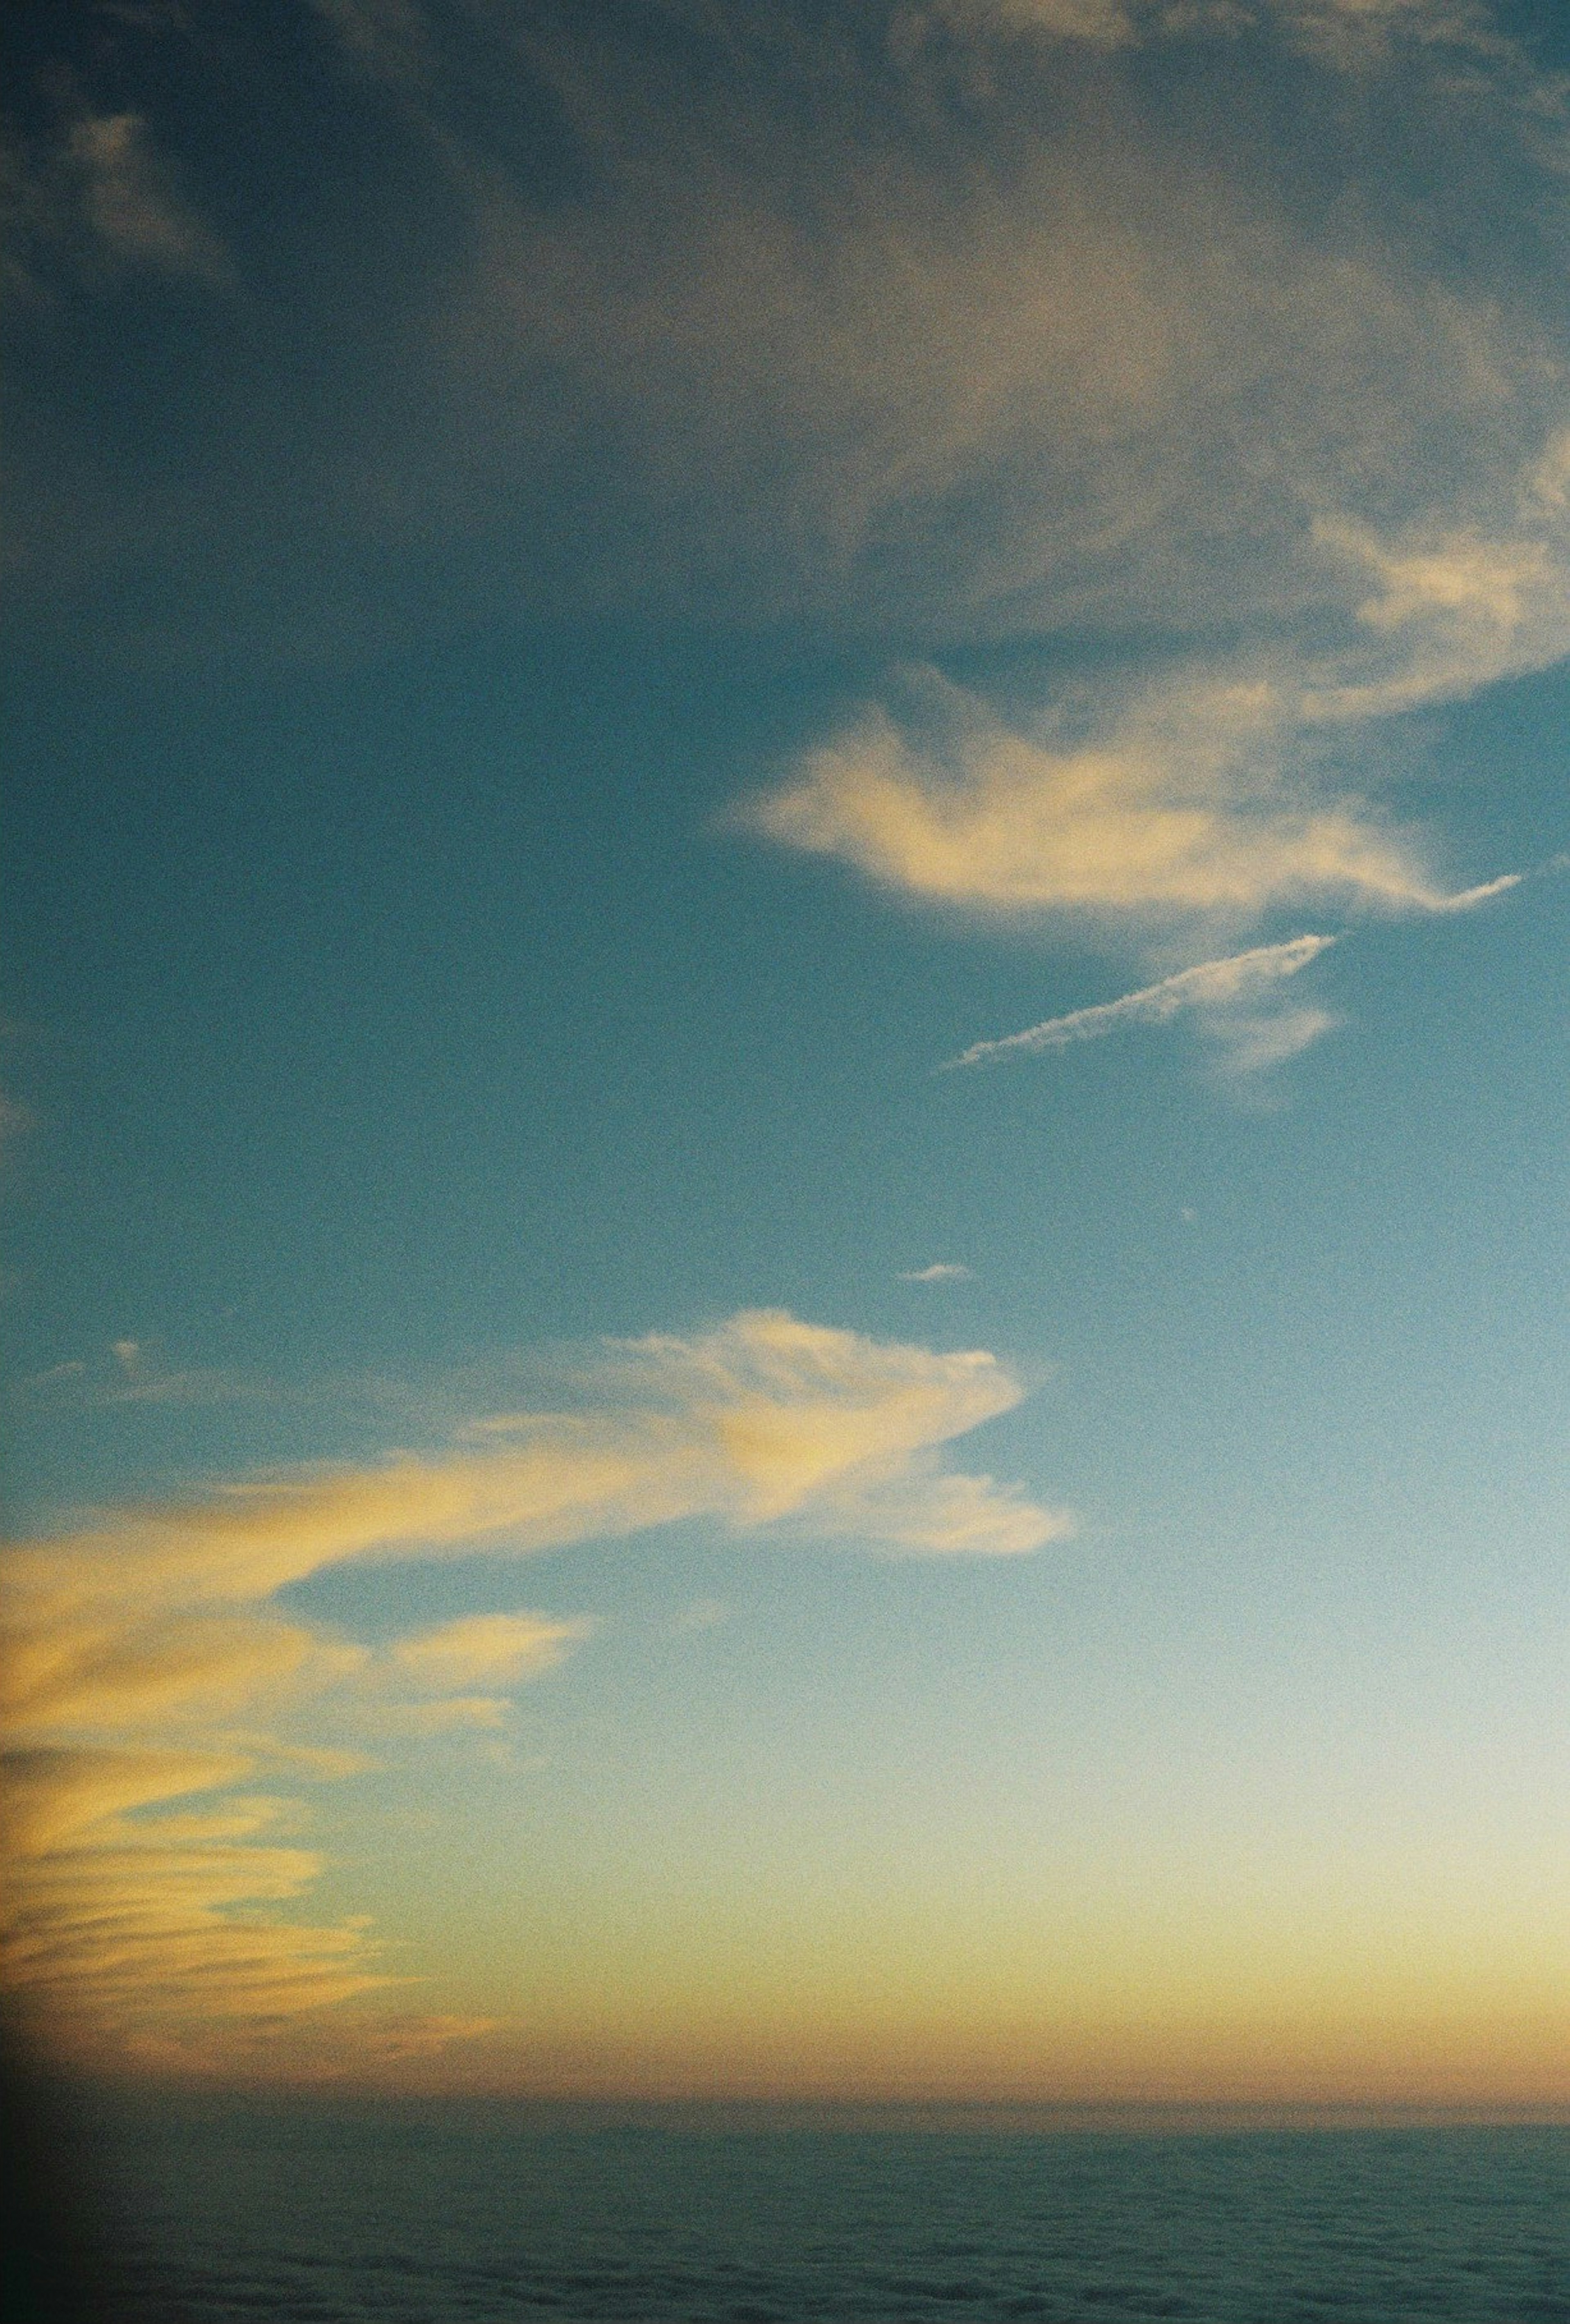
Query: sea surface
[{"x": 217, "y": 2213}]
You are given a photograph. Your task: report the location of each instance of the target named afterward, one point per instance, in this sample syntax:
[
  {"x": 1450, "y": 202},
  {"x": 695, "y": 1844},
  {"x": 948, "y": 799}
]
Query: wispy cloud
[
  {"x": 485, "y": 1650},
  {"x": 1212, "y": 984},
  {"x": 134, "y": 1646},
  {"x": 132, "y": 205},
  {"x": 1219, "y": 993},
  {"x": 1470, "y": 897},
  {"x": 942, "y": 1270},
  {"x": 869, "y": 315},
  {"x": 1352, "y": 36},
  {"x": 142, "y": 1376},
  {"x": 15, "y": 1119},
  {"x": 1201, "y": 793},
  {"x": 136, "y": 1372},
  {"x": 1178, "y": 810}
]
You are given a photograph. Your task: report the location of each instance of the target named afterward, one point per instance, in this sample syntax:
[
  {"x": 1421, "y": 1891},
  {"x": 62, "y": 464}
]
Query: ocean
[{"x": 212, "y": 2213}]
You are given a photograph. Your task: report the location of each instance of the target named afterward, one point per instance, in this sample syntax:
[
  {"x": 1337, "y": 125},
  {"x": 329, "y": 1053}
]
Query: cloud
[
  {"x": 875, "y": 317},
  {"x": 942, "y": 1270},
  {"x": 140, "y": 1376},
  {"x": 1103, "y": 23},
  {"x": 1214, "y": 985},
  {"x": 1217, "y": 992},
  {"x": 1459, "y": 608},
  {"x": 16, "y": 1120},
  {"x": 1349, "y": 35},
  {"x": 1017, "y": 382},
  {"x": 1090, "y": 376},
  {"x": 135, "y": 1644},
  {"x": 132, "y": 204},
  {"x": 485, "y": 1650},
  {"x": 116, "y": 1921},
  {"x": 1470, "y": 897},
  {"x": 1251, "y": 1043},
  {"x": 1178, "y": 809},
  {"x": 134, "y": 1372},
  {"x": 390, "y": 39}
]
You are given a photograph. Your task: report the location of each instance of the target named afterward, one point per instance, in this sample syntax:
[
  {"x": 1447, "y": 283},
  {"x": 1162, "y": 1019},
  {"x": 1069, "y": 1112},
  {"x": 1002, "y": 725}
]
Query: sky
[{"x": 783, "y": 1064}]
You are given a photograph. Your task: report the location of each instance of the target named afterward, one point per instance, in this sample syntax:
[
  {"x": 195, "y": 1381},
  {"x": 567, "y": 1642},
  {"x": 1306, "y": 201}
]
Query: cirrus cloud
[
  {"x": 133, "y": 1643},
  {"x": 1210, "y": 985}
]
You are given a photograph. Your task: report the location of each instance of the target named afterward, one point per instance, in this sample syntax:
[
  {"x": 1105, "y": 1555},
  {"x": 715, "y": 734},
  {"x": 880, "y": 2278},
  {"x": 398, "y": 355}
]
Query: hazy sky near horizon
[{"x": 784, "y": 1075}]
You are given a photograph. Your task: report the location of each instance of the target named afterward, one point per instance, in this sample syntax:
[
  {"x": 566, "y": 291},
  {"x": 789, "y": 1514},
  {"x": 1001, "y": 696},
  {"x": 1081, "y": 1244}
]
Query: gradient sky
[{"x": 784, "y": 1123}]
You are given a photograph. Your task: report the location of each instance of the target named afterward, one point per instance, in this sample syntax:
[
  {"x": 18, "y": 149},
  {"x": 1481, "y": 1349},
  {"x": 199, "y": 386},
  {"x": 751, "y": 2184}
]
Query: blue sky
[{"x": 603, "y": 602}]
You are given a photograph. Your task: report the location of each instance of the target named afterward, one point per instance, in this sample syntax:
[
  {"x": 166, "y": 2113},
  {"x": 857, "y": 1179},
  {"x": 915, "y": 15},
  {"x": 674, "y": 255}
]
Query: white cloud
[
  {"x": 1214, "y": 986},
  {"x": 135, "y": 1644},
  {"x": 1470, "y": 897},
  {"x": 942, "y": 1270}
]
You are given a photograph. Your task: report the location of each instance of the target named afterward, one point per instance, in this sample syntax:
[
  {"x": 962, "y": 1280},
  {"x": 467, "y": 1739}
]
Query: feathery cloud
[
  {"x": 133, "y": 1644},
  {"x": 851, "y": 321},
  {"x": 1178, "y": 810},
  {"x": 942, "y": 1270}
]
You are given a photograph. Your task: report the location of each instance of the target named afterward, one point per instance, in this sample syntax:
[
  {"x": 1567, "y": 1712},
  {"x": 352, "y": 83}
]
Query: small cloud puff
[
  {"x": 485, "y": 1649},
  {"x": 942, "y": 1270}
]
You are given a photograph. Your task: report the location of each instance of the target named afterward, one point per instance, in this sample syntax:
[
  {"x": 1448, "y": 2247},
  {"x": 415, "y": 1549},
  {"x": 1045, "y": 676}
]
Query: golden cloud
[{"x": 131, "y": 1641}]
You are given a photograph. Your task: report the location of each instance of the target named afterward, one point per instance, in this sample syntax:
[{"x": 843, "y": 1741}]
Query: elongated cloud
[
  {"x": 1199, "y": 800},
  {"x": 485, "y": 1649},
  {"x": 1177, "y": 811},
  {"x": 1212, "y": 984},
  {"x": 134, "y": 1644}
]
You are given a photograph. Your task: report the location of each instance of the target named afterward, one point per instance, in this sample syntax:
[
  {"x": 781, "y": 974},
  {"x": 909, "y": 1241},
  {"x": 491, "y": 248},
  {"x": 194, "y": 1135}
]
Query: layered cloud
[
  {"x": 142, "y": 1649},
  {"x": 1347, "y": 34},
  {"x": 938, "y": 321},
  {"x": 1201, "y": 793}
]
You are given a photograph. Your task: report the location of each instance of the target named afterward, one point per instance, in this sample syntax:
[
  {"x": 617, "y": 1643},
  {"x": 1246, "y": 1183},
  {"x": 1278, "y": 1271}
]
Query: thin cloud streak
[
  {"x": 1216, "y": 988},
  {"x": 1212, "y": 984},
  {"x": 1470, "y": 897}
]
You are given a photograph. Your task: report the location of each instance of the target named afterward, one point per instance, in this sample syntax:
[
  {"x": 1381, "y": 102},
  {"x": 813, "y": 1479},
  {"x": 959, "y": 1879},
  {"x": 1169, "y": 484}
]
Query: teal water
[{"x": 249, "y": 2212}]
